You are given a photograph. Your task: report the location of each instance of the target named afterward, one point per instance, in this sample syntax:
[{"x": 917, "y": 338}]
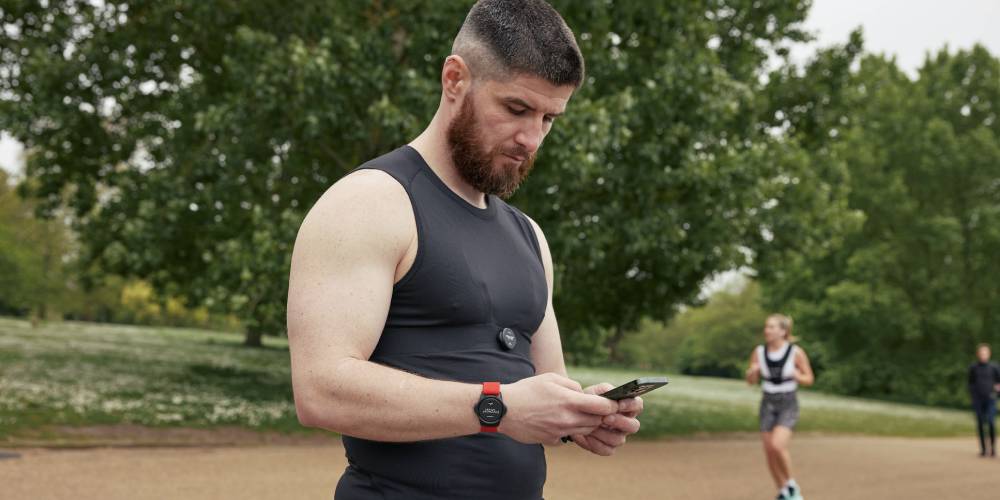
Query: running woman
[
  {"x": 984, "y": 382},
  {"x": 780, "y": 366}
]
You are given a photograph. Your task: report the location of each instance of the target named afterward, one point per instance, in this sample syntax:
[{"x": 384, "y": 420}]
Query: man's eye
[
  {"x": 549, "y": 119},
  {"x": 515, "y": 111}
]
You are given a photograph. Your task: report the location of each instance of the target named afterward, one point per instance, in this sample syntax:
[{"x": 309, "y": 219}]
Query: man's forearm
[{"x": 364, "y": 399}]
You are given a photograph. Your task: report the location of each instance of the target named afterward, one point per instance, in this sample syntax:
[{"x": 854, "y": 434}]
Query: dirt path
[{"x": 727, "y": 469}]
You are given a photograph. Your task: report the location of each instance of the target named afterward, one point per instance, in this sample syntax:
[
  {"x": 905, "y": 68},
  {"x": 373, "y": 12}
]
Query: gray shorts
[{"x": 779, "y": 409}]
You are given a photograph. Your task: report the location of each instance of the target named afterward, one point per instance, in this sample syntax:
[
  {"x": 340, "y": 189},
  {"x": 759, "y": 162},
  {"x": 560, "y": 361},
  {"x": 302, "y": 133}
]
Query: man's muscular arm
[{"x": 343, "y": 269}]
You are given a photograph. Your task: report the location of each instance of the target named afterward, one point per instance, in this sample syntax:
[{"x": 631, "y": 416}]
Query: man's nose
[{"x": 531, "y": 135}]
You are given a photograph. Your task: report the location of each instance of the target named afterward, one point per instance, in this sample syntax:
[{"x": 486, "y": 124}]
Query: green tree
[
  {"x": 33, "y": 253},
  {"x": 718, "y": 338},
  {"x": 189, "y": 138},
  {"x": 656, "y": 177},
  {"x": 901, "y": 298},
  {"x": 714, "y": 339}
]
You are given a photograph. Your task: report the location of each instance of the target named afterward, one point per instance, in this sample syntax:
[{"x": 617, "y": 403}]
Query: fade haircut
[{"x": 501, "y": 39}]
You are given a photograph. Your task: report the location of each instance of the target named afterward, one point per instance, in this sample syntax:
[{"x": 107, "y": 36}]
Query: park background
[{"x": 719, "y": 163}]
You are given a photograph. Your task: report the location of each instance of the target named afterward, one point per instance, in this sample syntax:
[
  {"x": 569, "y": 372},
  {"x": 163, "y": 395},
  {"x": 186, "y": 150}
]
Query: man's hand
[
  {"x": 614, "y": 429},
  {"x": 546, "y": 407},
  {"x": 753, "y": 374}
]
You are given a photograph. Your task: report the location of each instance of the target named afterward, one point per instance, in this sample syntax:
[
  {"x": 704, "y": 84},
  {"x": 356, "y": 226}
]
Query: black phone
[{"x": 637, "y": 387}]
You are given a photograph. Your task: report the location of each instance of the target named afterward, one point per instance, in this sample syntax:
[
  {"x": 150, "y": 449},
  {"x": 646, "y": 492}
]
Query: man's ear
[{"x": 455, "y": 78}]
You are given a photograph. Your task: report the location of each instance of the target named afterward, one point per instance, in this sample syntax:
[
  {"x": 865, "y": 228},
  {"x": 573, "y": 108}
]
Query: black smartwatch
[{"x": 490, "y": 408}]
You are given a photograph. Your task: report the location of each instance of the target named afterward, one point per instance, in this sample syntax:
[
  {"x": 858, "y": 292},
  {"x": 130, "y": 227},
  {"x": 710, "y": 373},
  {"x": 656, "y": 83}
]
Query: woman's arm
[
  {"x": 803, "y": 370},
  {"x": 753, "y": 371}
]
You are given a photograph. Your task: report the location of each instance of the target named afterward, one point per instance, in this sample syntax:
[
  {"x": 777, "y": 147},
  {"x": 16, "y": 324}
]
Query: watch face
[{"x": 490, "y": 410}]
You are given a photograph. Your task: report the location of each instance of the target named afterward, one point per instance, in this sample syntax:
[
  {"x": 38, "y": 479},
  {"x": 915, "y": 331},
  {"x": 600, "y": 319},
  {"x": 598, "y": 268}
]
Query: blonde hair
[{"x": 786, "y": 323}]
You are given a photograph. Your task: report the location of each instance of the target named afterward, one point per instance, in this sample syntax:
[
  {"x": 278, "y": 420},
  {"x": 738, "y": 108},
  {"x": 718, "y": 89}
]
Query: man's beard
[{"x": 475, "y": 165}]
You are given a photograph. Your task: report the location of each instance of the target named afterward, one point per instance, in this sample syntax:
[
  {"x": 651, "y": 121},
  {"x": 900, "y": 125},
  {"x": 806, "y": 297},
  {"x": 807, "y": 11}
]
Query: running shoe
[{"x": 794, "y": 493}]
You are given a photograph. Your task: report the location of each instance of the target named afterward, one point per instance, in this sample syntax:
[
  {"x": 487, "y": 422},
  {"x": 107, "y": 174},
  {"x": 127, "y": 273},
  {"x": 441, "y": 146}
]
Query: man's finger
[
  {"x": 599, "y": 388},
  {"x": 609, "y": 437},
  {"x": 595, "y": 405},
  {"x": 586, "y": 420},
  {"x": 596, "y": 446},
  {"x": 630, "y": 405},
  {"x": 628, "y": 425},
  {"x": 573, "y": 431}
]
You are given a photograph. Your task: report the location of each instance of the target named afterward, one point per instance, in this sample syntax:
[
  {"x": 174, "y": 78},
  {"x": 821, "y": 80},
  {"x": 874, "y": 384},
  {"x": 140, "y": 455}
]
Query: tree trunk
[
  {"x": 614, "y": 343},
  {"x": 254, "y": 332},
  {"x": 253, "y": 337}
]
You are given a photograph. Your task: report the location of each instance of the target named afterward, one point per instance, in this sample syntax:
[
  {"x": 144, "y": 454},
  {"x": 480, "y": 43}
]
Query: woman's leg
[
  {"x": 772, "y": 458},
  {"x": 780, "y": 437}
]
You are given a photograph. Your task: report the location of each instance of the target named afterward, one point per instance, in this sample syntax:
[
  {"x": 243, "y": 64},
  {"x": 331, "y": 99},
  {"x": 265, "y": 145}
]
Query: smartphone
[{"x": 636, "y": 387}]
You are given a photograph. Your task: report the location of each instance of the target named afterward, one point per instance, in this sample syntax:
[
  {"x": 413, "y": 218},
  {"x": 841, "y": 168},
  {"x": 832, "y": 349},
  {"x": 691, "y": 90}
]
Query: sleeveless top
[
  {"x": 777, "y": 372},
  {"x": 477, "y": 271}
]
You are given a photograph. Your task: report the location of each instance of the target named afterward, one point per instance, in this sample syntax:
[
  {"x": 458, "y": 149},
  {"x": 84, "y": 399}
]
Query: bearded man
[{"x": 420, "y": 316}]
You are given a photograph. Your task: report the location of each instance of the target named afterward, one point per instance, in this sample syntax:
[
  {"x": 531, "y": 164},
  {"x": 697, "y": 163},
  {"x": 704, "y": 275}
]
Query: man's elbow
[
  {"x": 308, "y": 416},
  {"x": 320, "y": 404},
  {"x": 313, "y": 412}
]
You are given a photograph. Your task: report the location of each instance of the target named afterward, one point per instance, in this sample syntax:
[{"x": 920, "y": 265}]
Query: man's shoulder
[
  {"x": 367, "y": 204},
  {"x": 362, "y": 190}
]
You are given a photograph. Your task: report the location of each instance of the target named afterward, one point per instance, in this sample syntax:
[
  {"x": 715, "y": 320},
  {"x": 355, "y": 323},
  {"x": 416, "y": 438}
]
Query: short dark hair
[
  {"x": 502, "y": 38},
  {"x": 982, "y": 345}
]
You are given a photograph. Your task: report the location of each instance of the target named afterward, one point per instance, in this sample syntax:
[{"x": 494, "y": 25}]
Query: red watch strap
[{"x": 491, "y": 388}]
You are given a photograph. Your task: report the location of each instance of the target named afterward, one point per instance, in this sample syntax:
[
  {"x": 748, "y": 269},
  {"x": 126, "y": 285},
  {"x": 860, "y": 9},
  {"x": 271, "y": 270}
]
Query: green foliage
[
  {"x": 653, "y": 180},
  {"x": 32, "y": 252},
  {"x": 654, "y": 346},
  {"x": 39, "y": 277},
  {"x": 719, "y": 337},
  {"x": 189, "y": 138},
  {"x": 714, "y": 339},
  {"x": 900, "y": 297},
  {"x": 134, "y": 302}
]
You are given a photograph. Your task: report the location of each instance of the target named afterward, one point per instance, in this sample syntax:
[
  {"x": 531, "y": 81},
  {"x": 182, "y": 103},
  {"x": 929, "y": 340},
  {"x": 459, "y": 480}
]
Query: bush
[{"x": 715, "y": 339}]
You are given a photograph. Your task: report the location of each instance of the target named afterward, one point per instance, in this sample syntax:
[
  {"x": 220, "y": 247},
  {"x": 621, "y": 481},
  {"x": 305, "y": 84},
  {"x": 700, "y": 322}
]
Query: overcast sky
[{"x": 907, "y": 29}]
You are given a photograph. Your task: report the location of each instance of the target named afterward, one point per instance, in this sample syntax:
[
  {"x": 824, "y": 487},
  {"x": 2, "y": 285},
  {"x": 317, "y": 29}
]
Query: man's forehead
[{"x": 534, "y": 92}]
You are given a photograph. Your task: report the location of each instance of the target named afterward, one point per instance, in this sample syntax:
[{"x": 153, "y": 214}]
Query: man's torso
[{"x": 474, "y": 272}]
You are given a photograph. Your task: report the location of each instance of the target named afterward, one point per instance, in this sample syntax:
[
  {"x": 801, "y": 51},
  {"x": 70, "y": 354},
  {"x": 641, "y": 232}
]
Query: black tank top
[{"x": 476, "y": 272}]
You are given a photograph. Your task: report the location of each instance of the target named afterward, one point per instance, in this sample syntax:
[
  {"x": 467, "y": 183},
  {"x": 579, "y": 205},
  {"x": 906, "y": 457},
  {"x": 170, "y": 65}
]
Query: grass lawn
[{"x": 77, "y": 374}]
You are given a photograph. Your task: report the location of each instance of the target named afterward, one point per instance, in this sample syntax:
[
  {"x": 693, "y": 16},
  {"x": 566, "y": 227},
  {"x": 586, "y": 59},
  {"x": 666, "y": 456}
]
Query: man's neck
[{"x": 432, "y": 144}]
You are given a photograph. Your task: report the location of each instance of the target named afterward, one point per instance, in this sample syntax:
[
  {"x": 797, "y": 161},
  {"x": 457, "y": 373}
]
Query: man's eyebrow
[{"x": 520, "y": 102}]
